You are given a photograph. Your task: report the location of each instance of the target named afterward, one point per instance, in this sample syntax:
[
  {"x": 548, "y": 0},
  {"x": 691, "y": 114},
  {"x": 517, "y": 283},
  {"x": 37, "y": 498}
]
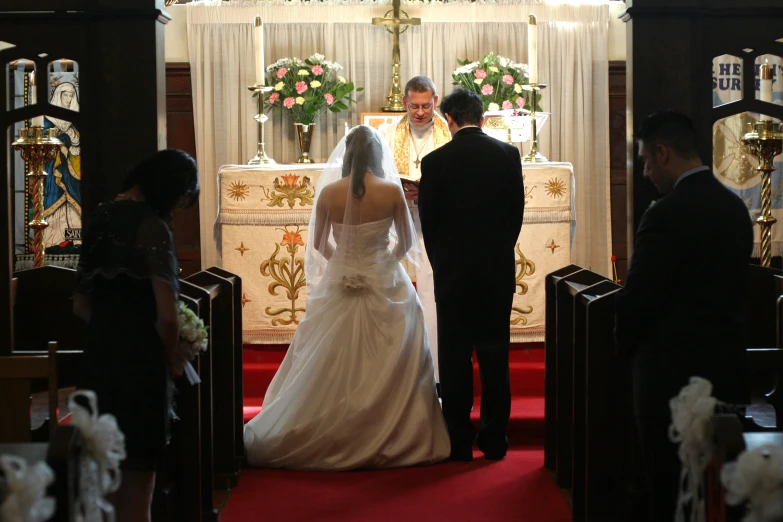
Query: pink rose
[
  {"x": 480, "y": 73},
  {"x": 520, "y": 102},
  {"x": 273, "y": 98},
  {"x": 301, "y": 87},
  {"x": 508, "y": 79},
  {"x": 329, "y": 98},
  {"x": 281, "y": 72},
  {"x": 487, "y": 89},
  {"x": 318, "y": 70},
  {"x": 507, "y": 105},
  {"x": 288, "y": 102}
]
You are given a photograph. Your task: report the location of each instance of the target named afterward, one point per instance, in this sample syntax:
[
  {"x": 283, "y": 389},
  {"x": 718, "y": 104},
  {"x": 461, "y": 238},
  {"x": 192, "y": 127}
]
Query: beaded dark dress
[{"x": 124, "y": 246}]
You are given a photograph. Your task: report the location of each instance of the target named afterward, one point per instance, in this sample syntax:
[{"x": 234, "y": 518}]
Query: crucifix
[{"x": 394, "y": 99}]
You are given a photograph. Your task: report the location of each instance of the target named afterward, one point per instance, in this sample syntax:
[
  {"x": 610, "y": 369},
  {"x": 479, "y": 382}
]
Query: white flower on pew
[
  {"x": 193, "y": 339},
  {"x": 692, "y": 411},
  {"x": 26, "y": 500},
  {"x": 99, "y": 465},
  {"x": 756, "y": 475}
]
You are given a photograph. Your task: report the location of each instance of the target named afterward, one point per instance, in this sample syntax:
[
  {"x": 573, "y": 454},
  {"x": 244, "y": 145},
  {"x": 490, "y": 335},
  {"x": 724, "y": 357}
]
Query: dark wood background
[{"x": 181, "y": 135}]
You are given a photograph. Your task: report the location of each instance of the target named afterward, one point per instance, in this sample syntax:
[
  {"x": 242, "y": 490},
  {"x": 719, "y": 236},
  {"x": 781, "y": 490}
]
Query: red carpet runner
[{"x": 514, "y": 489}]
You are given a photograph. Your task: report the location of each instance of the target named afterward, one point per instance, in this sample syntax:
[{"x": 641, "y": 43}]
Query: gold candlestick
[
  {"x": 534, "y": 156},
  {"x": 260, "y": 157},
  {"x": 764, "y": 140},
  {"x": 37, "y": 146}
]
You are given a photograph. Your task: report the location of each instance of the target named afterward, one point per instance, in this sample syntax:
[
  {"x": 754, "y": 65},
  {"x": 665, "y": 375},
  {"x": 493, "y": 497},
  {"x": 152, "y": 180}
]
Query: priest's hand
[{"x": 411, "y": 189}]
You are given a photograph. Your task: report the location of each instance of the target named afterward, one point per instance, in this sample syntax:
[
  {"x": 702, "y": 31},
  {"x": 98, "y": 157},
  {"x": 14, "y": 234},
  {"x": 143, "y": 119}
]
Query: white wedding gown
[{"x": 356, "y": 388}]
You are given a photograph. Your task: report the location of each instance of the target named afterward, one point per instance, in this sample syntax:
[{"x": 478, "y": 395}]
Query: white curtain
[{"x": 572, "y": 61}]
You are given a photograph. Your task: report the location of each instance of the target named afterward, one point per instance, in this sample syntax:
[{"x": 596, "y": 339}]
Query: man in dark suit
[
  {"x": 679, "y": 313},
  {"x": 471, "y": 202}
]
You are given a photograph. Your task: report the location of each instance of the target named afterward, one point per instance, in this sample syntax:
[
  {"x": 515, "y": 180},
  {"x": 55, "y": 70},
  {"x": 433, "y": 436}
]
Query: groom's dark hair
[{"x": 465, "y": 107}]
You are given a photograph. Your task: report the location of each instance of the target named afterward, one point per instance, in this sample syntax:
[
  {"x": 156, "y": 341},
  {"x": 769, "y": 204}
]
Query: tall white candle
[
  {"x": 37, "y": 120},
  {"x": 259, "y": 41},
  {"x": 532, "y": 48},
  {"x": 765, "y": 83}
]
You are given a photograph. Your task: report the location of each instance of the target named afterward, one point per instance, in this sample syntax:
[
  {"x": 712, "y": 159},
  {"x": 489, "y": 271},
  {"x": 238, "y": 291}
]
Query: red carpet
[{"x": 514, "y": 489}]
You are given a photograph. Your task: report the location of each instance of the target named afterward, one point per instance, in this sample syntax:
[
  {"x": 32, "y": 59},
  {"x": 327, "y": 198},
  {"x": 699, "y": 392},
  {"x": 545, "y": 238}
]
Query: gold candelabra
[
  {"x": 533, "y": 156},
  {"x": 764, "y": 140},
  {"x": 37, "y": 146},
  {"x": 260, "y": 157}
]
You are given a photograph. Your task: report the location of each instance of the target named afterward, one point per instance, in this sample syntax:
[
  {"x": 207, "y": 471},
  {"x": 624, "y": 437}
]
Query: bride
[{"x": 357, "y": 387}]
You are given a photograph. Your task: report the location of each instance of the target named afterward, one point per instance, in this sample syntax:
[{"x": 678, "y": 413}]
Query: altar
[{"x": 261, "y": 232}]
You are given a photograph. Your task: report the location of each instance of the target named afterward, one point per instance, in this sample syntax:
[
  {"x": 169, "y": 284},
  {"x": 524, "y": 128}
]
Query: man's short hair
[
  {"x": 420, "y": 84},
  {"x": 671, "y": 128},
  {"x": 465, "y": 107}
]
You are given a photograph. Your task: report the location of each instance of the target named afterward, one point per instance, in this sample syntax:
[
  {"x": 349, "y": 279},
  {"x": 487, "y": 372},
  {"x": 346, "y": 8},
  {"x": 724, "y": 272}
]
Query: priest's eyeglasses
[{"x": 416, "y": 108}]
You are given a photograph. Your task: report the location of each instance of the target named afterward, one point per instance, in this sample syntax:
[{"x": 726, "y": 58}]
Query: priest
[{"x": 418, "y": 133}]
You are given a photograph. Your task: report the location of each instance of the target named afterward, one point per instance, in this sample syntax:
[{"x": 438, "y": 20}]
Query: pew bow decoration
[
  {"x": 26, "y": 500},
  {"x": 193, "y": 339},
  {"x": 692, "y": 412},
  {"x": 756, "y": 476},
  {"x": 100, "y": 463}
]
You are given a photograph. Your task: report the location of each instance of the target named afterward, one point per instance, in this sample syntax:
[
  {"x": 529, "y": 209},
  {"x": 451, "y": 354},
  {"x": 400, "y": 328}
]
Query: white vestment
[{"x": 423, "y": 141}]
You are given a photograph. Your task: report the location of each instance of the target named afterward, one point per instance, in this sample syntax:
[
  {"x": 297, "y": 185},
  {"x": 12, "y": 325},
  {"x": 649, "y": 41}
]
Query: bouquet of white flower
[{"x": 193, "y": 338}]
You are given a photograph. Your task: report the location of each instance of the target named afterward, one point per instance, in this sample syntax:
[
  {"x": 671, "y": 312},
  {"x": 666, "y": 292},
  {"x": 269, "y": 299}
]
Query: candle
[
  {"x": 765, "y": 83},
  {"x": 765, "y": 86},
  {"x": 259, "y": 41},
  {"x": 37, "y": 120},
  {"x": 532, "y": 48}
]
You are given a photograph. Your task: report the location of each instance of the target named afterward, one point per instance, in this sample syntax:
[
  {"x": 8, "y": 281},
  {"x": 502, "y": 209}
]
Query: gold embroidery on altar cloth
[
  {"x": 555, "y": 188},
  {"x": 402, "y": 143},
  {"x": 242, "y": 248},
  {"x": 552, "y": 245},
  {"x": 289, "y": 191},
  {"x": 529, "y": 192},
  {"x": 245, "y": 300},
  {"x": 287, "y": 273},
  {"x": 238, "y": 190},
  {"x": 524, "y": 267}
]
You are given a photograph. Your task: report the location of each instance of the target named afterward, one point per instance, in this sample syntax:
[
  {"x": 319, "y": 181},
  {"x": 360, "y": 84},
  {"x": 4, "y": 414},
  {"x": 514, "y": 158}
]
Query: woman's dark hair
[
  {"x": 363, "y": 152},
  {"x": 168, "y": 179}
]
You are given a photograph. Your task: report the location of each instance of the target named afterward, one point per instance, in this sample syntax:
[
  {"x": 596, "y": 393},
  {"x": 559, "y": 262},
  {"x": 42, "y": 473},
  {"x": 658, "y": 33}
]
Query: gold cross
[
  {"x": 417, "y": 163},
  {"x": 394, "y": 99},
  {"x": 552, "y": 245},
  {"x": 242, "y": 249},
  {"x": 245, "y": 300}
]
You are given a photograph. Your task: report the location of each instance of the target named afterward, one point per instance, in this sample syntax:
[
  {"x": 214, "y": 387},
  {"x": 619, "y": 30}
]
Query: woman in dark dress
[{"x": 127, "y": 292}]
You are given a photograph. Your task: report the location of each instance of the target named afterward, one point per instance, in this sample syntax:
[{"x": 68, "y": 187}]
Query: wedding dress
[{"x": 356, "y": 388}]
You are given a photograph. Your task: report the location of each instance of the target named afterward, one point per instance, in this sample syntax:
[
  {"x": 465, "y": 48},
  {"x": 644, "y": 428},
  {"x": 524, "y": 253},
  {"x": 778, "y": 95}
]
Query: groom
[{"x": 469, "y": 234}]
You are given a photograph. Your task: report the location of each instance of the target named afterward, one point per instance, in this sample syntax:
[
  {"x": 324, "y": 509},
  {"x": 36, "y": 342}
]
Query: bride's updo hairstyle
[{"x": 363, "y": 152}]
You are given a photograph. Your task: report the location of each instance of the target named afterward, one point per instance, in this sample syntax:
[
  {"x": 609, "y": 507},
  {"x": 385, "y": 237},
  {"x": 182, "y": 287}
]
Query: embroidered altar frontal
[{"x": 261, "y": 231}]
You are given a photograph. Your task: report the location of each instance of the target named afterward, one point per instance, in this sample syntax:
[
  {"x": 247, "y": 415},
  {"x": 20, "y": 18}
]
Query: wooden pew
[
  {"x": 62, "y": 456},
  {"x": 550, "y": 364},
  {"x": 566, "y": 291},
  {"x": 184, "y": 482},
  {"x": 227, "y": 405},
  {"x": 239, "y": 391},
  {"x": 17, "y": 372}
]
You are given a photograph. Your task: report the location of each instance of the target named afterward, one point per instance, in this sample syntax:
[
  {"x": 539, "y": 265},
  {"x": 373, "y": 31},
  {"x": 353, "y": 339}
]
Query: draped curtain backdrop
[{"x": 572, "y": 57}]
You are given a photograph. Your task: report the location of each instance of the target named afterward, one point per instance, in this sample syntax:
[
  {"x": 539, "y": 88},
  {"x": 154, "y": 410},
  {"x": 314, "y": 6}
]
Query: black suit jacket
[
  {"x": 471, "y": 203},
  {"x": 679, "y": 313}
]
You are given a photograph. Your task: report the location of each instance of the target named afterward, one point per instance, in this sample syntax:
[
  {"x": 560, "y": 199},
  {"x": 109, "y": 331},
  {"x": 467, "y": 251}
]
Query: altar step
[{"x": 526, "y": 365}]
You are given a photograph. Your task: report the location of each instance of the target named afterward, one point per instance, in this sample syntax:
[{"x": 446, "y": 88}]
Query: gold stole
[{"x": 402, "y": 145}]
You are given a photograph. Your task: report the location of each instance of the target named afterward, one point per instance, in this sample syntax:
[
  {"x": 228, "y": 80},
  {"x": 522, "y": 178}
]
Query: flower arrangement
[
  {"x": 498, "y": 80},
  {"x": 193, "y": 338},
  {"x": 305, "y": 88}
]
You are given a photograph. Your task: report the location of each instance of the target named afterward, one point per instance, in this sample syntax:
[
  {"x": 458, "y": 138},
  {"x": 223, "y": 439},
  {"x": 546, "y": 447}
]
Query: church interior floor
[{"x": 514, "y": 489}]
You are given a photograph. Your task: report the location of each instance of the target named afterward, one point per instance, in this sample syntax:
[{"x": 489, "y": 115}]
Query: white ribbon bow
[
  {"x": 355, "y": 283},
  {"x": 691, "y": 427},
  {"x": 756, "y": 475},
  {"x": 26, "y": 500},
  {"x": 100, "y": 466}
]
